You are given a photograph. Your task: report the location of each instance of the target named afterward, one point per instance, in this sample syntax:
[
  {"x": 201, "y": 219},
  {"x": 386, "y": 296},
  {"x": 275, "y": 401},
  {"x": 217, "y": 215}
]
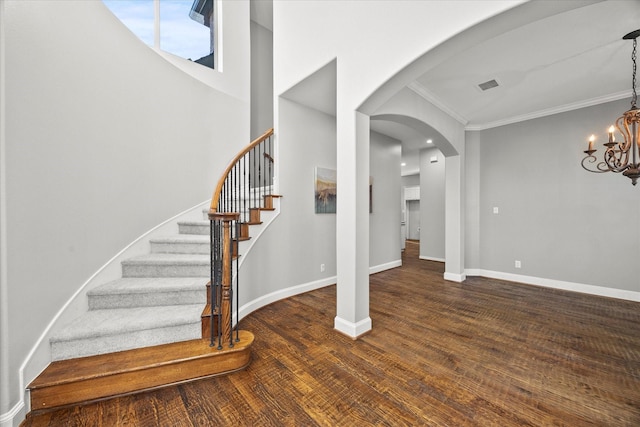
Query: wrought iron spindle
[
  {"x": 230, "y": 289},
  {"x": 270, "y": 164},
  {"x": 253, "y": 184},
  {"x": 239, "y": 192},
  {"x": 237, "y": 284},
  {"x": 245, "y": 185}
]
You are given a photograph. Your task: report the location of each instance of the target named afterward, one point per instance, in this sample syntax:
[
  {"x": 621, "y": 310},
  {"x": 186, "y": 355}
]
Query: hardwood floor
[{"x": 482, "y": 353}]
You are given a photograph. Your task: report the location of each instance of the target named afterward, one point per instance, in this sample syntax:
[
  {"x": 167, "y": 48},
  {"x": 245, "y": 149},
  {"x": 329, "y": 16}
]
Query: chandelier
[{"x": 621, "y": 156}]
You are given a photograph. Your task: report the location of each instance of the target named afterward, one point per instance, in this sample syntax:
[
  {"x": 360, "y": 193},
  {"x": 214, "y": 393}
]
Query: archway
[{"x": 410, "y": 109}]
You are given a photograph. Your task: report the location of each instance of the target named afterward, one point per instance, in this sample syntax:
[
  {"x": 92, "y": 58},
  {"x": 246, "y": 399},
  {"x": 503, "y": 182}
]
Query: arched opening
[{"x": 410, "y": 109}]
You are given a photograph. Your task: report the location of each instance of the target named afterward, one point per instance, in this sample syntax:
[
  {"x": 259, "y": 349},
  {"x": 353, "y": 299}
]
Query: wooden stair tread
[
  {"x": 87, "y": 379},
  {"x": 206, "y": 312},
  {"x": 83, "y": 368}
]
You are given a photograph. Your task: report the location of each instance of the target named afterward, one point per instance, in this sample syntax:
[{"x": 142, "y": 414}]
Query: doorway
[{"x": 413, "y": 220}]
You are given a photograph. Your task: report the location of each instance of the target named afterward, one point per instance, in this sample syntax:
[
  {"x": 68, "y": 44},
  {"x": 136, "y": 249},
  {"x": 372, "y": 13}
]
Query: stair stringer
[
  {"x": 267, "y": 217},
  {"x": 40, "y": 355},
  {"x": 255, "y": 231}
]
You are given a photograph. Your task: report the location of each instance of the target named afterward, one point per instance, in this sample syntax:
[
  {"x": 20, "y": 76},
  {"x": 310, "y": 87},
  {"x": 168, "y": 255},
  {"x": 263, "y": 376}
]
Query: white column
[
  {"x": 352, "y": 224},
  {"x": 454, "y": 226}
]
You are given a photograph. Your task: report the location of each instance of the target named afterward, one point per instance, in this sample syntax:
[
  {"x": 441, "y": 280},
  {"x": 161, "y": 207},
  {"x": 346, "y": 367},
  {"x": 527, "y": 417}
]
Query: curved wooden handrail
[{"x": 216, "y": 194}]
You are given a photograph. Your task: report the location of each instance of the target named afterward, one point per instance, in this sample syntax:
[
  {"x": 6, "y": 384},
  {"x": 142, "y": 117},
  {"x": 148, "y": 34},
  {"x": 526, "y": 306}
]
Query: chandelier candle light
[{"x": 623, "y": 156}]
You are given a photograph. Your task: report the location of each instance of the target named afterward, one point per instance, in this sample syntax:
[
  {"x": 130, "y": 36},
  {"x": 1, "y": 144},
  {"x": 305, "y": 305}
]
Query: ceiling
[
  {"x": 561, "y": 62},
  {"x": 558, "y": 63}
]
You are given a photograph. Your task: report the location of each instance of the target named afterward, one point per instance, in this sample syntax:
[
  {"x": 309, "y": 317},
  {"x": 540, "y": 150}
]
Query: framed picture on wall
[{"x": 325, "y": 190}]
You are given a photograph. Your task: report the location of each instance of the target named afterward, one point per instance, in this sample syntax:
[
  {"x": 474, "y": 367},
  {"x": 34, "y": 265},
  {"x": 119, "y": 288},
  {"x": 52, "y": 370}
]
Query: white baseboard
[
  {"x": 14, "y": 417},
  {"x": 453, "y": 277},
  {"x": 265, "y": 300},
  {"x": 280, "y": 294},
  {"x": 350, "y": 329},
  {"x": 387, "y": 266},
  {"x": 430, "y": 258},
  {"x": 558, "y": 284}
]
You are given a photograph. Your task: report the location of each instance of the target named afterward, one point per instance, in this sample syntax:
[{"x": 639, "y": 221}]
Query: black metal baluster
[
  {"x": 211, "y": 279},
  {"x": 253, "y": 178},
  {"x": 246, "y": 185},
  {"x": 260, "y": 170},
  {"x": 237, "y": 284},
  {"x": 217, "y": 281},
  {"x": 270, "y": 164},
  {"x": 231, "y": 285}
]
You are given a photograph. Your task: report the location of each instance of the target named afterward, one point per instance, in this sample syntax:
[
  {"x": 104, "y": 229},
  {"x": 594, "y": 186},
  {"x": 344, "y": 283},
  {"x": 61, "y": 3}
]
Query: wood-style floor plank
[{"x": 482, "y": 353}]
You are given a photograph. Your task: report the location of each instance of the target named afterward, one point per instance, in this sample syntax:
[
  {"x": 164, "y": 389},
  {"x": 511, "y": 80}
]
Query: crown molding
[
  {"x": 430, "y": 97},
  {"x": 550, "y": 111}
]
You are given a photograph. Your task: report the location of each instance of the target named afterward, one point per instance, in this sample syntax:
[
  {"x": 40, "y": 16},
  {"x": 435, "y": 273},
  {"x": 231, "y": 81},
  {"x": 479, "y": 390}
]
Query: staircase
[
  {"x": 157, "y": 301},
  {"x": 154, "y": 326}
]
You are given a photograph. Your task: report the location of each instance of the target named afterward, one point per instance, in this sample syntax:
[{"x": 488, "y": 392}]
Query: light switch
[{"x": 496, "y": 210}]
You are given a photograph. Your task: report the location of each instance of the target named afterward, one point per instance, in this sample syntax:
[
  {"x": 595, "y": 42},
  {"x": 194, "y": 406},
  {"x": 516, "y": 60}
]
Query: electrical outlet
[
  {"x": 321, "y": 268},
  {"x": 518, "y": 264}
]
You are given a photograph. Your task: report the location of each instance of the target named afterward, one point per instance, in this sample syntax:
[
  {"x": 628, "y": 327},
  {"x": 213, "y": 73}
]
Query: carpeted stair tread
[
  {"x": 181, "y": 244},
  {"x": 199, "y": 222},
  {"x": 142, "y": 285},
  {"x": 168, "y": 259},
  {"x": 167, "y": 265},
  {"x": 183, "y": 238},
  {"x": 148, "y": 291},
  {"x": 102, "y": 323}
]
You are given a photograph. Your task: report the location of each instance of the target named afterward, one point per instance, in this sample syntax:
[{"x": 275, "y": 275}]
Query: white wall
[
  {"x": 308, "y": 35},
  {"x": 289, "y": 253},
  {"x": 472, "y": 201},
  {"x": 287, "y": 258},
  {"x": 432, "y": 205},
  {"x": 384, "y": 221},
  {"x": 261, "y": 79},
  {"x": 104, "y": 140},
  {"x": 561, "y": 222},
  {"x": 411, "y": 180}
]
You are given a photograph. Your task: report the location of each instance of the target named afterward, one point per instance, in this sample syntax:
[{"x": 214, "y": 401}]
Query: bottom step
[{"x": 85, "y": 379}]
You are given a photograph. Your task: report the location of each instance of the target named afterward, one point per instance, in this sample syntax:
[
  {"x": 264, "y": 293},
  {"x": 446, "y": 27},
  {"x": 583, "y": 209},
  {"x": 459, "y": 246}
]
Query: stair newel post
[
  {"x": 225, "y": 290},
  {"x": 215, "y": 276}
]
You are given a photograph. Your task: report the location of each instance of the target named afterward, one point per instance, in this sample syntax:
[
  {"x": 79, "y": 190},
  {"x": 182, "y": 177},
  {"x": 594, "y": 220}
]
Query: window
[{"x": 181, "y": 27}]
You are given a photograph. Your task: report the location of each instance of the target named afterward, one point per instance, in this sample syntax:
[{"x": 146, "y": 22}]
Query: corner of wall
[{"x": 4, "y": 303}]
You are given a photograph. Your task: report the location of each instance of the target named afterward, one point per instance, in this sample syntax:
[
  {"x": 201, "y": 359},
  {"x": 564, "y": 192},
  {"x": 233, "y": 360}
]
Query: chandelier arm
[
  {"x": 600, "y": 167},
  {"x": 613, "y": 157},
  {"x": 622, "y": 124}
]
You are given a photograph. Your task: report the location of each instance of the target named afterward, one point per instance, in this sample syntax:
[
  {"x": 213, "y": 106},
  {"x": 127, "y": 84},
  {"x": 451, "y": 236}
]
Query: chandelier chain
[{"x": 634, "y": 97}]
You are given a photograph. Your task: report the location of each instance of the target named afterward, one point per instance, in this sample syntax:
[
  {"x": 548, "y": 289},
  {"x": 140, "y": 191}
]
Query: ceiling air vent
[{"x": 488, "y": 85}]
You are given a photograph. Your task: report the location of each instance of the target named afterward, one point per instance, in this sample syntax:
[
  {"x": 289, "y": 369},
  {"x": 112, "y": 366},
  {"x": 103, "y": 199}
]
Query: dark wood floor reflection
[{"x": 482, "y": 353}]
